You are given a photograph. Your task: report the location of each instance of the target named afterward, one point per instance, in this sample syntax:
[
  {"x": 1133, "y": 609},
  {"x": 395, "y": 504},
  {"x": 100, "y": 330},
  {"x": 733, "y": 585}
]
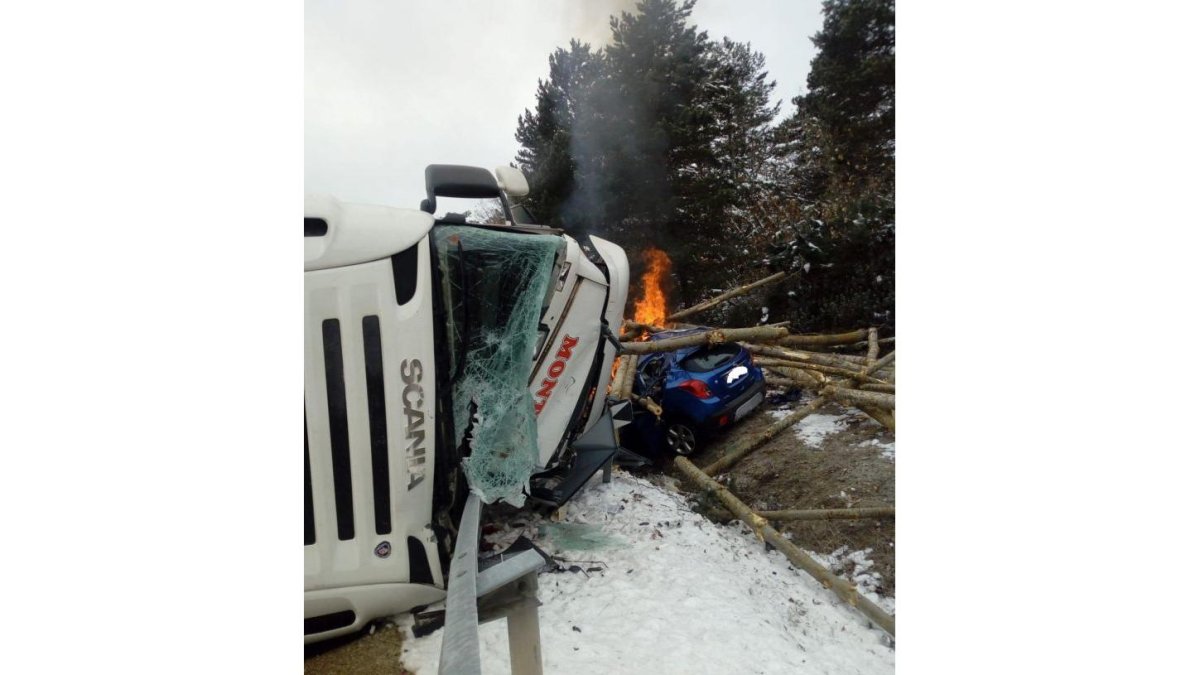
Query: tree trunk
[
  {"x": 618, "y": 378},
  {"x": 741, "y": 290},
  {"x": 749, "y": 445},
  {"x": 872, "y": 348},
  {"x": 785, "y": 382},
  {"x": 887, "y": 388},
  {"x": 837, "y": 361},
  {"x": 882, "y": 362},
  {"x": 856, "y": 397},
  {"x": 630, "y": 376},
  {"x": 632, "y": 329},
  {"x": 824, "y": 340},
  {"x": 649, "y": 404},
  {"x": 844, "y": 589},
  {"x": 712, "y": 337},
  {"x": 809, "y": 380},
  {"x": 828, "y": 370},
  {"x": 831, "y": 514},
  {"x": 884, "y": 417}
]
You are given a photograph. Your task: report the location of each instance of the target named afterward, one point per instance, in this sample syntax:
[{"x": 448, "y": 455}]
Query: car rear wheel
[{"x": 681, "y": 439}]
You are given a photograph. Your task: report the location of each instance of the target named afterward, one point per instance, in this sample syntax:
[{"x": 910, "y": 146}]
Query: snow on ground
[
  {"x": 888, "y": 450},
  {"x": 676, "y": 593},
  {"x": 814, "y": 428}
]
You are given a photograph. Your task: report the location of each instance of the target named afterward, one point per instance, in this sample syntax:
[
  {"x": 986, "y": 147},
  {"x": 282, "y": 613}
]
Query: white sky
[{"x": 393, "y": 85}]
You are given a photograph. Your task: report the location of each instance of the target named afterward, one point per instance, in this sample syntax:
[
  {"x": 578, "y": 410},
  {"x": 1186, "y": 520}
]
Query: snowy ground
[
  {"x": 814, "y": 428},
  {"x": 675, "y": 593}
]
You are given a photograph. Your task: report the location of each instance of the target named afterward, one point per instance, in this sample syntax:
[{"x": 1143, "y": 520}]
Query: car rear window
[{"x": 710, "y": 358}]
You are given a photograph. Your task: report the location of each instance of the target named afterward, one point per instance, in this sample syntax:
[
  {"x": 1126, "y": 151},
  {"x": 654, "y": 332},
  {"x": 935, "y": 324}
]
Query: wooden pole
[
  {"x": 630, "y": 377},
  {"x": 881, "y": 363},
  {"x": 648, "y": 404},
  {"x": 632, "y": 329},
  {"x": 740, "y": 450},
  {"x": 844, "y": 589},
  {"x": 835, "y": 360},
  {"x": 824, "y": 340},
  {"x": 809, "y": 380},
  {"x": 785, "y": 382},
  {"x": 829, "y": 370},
  {"x": 741, "y": 290},
  {"x": 884, "y": 417},
  {"x": 712, "y": 337},
  {"x": 860, "y": 398},
  {"x": 618, "y": 378},
  {"x": 831, "y": 514}
]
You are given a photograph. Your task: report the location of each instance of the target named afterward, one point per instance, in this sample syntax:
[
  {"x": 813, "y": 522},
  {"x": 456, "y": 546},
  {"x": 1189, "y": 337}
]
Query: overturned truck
[{"x": 442, "y": 358}]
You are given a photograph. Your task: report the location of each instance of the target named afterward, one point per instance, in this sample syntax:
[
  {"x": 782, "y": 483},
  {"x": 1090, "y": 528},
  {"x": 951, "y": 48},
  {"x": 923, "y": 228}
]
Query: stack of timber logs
[{"x": 817, "y": 363}]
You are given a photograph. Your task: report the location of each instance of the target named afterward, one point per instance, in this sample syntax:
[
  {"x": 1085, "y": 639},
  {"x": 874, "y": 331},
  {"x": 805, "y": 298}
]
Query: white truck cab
[{"x": 441, "y": 357}]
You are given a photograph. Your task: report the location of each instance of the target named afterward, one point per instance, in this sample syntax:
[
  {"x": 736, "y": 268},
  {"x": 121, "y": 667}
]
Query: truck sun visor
[{"x": 494, "y": 283}]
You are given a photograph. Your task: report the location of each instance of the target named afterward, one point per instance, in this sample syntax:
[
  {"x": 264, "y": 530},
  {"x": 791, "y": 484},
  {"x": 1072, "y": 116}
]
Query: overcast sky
[{"x": 393, "y": 85}]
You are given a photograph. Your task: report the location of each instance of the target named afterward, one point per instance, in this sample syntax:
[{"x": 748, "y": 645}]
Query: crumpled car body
[{"x": 701, "y": 389}]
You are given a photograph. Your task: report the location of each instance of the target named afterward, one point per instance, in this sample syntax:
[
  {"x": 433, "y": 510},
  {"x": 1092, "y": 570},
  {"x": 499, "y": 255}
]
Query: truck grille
[
  {"x": 377, "y": 422},
  {"x": 339, "y": 430}
]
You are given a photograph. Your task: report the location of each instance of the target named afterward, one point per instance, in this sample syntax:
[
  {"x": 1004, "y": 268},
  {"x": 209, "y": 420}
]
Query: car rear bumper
[{"x": 728, "y": 411}]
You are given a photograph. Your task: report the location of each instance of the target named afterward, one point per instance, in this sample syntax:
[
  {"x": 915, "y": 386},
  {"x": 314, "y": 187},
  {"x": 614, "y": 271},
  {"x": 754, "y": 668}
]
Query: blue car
[{"x": 701, "y": 390}]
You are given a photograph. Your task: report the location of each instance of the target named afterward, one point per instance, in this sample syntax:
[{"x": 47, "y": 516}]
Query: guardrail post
[{"x": 524, "y": 633}]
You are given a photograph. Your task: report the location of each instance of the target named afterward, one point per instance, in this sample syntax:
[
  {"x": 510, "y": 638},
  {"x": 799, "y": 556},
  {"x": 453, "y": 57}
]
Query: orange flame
[{"x": 651, "y": 308}]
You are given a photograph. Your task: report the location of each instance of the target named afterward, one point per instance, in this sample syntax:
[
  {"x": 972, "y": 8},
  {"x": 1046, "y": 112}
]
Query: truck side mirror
[{"x": 512, "y": 181}]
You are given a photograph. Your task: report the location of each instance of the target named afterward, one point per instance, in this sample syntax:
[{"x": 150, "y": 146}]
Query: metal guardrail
[{"x": 507, "y": 589}]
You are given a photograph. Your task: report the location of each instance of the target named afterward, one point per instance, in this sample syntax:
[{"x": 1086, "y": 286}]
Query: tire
[{"x": 681, "y": 439}]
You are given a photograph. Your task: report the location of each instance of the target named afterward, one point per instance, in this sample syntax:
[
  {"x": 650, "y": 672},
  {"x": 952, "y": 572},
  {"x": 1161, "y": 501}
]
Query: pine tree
[
  {"x": 852, "y": 85},
  {"x": 545, "y": 134},
  {"x": 839, "y": 149}
]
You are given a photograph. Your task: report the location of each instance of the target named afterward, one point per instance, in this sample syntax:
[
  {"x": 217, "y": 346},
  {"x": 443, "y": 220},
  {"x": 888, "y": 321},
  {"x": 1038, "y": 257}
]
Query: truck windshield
[{"x": 494, "y": 285}]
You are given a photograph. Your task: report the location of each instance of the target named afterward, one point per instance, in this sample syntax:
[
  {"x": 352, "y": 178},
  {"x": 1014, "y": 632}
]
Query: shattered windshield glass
[{"x": 496, "y": 285}]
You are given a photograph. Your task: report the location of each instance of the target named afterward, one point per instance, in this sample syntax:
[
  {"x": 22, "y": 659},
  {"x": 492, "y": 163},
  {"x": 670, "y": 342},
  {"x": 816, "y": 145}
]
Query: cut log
[
  {"x": 828, "y": 370},
  {"x": 824, "y": 340},
  {"x": 809, "y": 380},
  {"x": 859, "y": 398},
  {"x": 749, "y": 445},
  {"x": 843, "y": 588},
  {"x": 882, "y": 362},
  {"x": 785, "y": 382},
  {"x": 887, "y": 387},
  {"x": 831, "y": 514},
  {"x": 837, "y": 361},
  {"x": 632, "y": 329},
  {"x": 618, "y": 379},
  {"x": 649, "y": 404},
  {"x": 872, "y": 348},
  {"x": 712, "y": 337},
  {"x": 630, "y": 377},
  {"x": 884, "y": 417},
  {"x": 741, "y": 290}
]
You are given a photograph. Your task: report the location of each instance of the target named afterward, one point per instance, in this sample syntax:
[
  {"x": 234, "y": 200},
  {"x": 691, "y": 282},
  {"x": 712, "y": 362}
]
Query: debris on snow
[{"x": 693, "y": 596}]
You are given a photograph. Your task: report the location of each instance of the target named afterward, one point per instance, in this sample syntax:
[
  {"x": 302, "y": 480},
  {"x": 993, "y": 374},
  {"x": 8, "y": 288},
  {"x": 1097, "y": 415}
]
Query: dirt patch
[
  {"x": 364, "y": 653},
  {"x": 839, "y": 464}
]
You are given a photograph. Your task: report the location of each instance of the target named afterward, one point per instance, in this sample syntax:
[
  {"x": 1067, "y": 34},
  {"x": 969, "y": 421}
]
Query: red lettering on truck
[{"x": 556, "y": 369}]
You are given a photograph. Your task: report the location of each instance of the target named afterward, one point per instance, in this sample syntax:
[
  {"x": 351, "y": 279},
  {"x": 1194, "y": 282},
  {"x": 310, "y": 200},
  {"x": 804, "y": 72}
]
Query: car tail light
[
  {"x": 723, "y": 421},
  {"x": 696, "y": 388}
]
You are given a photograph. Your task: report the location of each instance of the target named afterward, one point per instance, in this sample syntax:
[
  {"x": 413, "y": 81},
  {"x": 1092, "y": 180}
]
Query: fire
[{"x": 651, "y": 308}]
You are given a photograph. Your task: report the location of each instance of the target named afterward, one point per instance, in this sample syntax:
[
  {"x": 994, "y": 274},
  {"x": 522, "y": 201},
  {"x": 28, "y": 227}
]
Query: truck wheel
[{"x": 681, "y": 439}]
